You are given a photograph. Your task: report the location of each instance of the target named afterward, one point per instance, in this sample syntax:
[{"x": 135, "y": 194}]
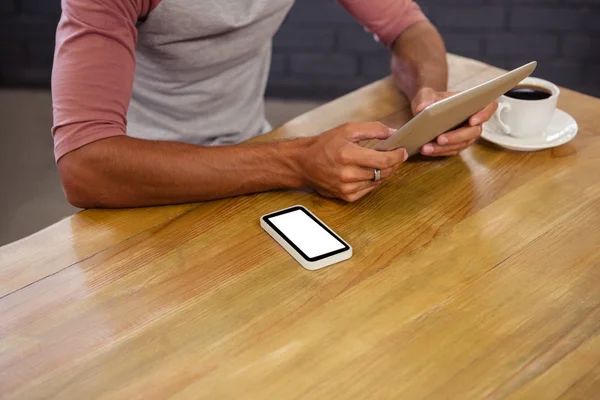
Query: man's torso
[{"x": 201, "y": 70}]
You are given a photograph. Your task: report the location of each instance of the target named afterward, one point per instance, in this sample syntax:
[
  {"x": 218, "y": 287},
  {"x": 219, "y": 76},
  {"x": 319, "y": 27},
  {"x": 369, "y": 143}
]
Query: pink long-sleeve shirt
[{"x": 184, "y": 70}]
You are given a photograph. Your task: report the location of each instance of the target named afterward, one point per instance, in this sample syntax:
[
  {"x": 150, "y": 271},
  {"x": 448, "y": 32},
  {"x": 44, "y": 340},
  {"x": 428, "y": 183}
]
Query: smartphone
[{"x": 312, "y": 243}]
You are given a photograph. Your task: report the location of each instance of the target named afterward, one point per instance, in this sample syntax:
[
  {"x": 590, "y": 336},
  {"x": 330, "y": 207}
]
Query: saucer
[{"x": 562, "y": 129}]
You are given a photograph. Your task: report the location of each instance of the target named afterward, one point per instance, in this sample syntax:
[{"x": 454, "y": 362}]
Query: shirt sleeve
[
  {"x": 94, "y": 64},
  {"x": 386, "y": 19}
]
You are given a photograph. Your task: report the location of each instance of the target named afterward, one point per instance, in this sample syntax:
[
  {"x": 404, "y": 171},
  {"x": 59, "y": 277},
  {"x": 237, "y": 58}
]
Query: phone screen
[{"x": 312, "y": 239}]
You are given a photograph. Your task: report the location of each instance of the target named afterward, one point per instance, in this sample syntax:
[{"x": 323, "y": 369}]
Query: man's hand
[
  {"x": 453, "y": 142},
  {"x": 336, "y": 166}
]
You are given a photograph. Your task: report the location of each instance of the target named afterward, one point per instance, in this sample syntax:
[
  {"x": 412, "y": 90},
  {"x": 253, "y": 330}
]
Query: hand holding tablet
[
  {"x": 454, "y": 141},
  {"x": 452, "y": 112}
]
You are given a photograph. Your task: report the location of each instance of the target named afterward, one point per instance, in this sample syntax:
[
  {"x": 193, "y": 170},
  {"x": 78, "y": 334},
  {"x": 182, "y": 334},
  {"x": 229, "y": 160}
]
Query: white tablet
[{"x": 452, "y": 112}]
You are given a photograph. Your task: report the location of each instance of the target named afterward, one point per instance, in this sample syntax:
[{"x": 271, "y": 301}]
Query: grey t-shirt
[{"x": 213, "y": 94}]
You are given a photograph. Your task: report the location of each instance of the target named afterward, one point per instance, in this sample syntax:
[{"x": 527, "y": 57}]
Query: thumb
[
  {"x": 422, "y": 100},
  {"x": 369, "y": 130}
]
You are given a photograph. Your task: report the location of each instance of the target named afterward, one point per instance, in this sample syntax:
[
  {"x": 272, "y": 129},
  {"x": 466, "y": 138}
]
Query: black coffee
[{"x": 528, "y": 92}]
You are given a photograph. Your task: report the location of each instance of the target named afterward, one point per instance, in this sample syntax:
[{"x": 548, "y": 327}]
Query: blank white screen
[{"x": 305, "y": 233}]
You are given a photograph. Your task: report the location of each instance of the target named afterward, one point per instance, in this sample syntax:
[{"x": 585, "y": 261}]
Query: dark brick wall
[
  {"x": 27, "y": 29},
  {"x": 321, "y": 51}
]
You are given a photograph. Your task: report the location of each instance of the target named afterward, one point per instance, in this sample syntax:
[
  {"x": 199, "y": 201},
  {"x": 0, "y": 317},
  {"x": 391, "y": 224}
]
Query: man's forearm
[
  {"x": 128, "y": 172},
  {"x": 419, "y": 60}
]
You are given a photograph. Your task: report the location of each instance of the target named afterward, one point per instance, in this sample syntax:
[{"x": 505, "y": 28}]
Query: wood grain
[
  {"x": 475, "y": 276},
  {"x": 74, "y": 239}
]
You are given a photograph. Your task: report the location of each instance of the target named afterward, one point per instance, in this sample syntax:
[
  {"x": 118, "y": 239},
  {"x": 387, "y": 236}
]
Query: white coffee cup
[{"x": 527, "y": 118}]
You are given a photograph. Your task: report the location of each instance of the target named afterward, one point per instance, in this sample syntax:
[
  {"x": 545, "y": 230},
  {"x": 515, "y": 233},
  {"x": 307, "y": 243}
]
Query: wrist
[{"x": 293, "y": 155}]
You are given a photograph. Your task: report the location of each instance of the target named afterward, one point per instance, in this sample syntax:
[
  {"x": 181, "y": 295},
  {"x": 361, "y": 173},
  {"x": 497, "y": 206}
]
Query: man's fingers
[
  {"x": 351, "y": 188},
  {"x": 434, "y": 149},
  {"x": 459, "y": 135},
  {"x": 369, "y": 130},
  {"x": 424, "y": 101},
  {"x": 368, "y": 158},
  {"x": 483, "y": 115},
  {"x": 360, "y": 194},
  {"x": 386, "y": 173},
  {"x": 366, "y": 177},
  {"x": 423, "y": 105},
  {"x": 425, "y": 97},
  {"x": 359, "y": 174}
]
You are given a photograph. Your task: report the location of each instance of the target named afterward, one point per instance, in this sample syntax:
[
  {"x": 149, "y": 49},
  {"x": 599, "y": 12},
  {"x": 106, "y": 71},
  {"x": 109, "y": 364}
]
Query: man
[{"x": 145, "y": 90}]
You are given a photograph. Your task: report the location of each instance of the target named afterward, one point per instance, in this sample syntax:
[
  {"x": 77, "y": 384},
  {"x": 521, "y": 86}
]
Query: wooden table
[{"x": 476, "y": 276}]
